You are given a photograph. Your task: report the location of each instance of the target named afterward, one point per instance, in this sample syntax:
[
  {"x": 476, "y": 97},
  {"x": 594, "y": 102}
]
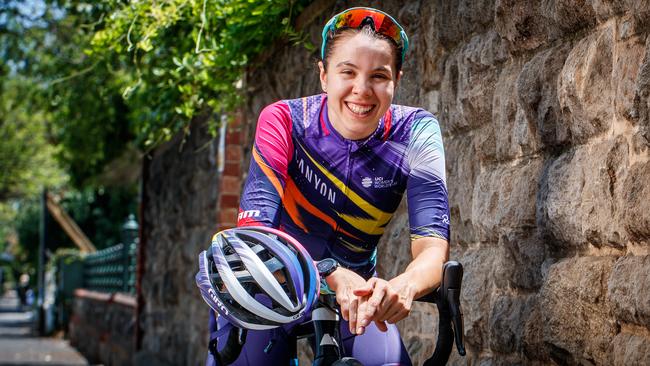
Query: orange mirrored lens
[{"x": 383, "y": 24}]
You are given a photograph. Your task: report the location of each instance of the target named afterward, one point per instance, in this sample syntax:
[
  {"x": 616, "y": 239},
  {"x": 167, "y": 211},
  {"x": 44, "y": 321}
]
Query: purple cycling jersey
[{"x": 335, "y": 195}]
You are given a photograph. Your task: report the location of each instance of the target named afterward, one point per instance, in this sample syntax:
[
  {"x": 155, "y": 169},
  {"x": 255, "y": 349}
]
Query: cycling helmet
[{"x": 257, "y": 277}]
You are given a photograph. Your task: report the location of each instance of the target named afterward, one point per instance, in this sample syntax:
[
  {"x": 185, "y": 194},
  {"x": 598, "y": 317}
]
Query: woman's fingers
[
  {"x": 387, "y": 305},
  {"x": 354, "y": 304},
  {"x": 372, "y": 304},
  {"x": 400, "y": 312},
  {"x": 381, "y": 326},
  {"x": 398, "y": 316},
  {"x": 344, "y": 304}
]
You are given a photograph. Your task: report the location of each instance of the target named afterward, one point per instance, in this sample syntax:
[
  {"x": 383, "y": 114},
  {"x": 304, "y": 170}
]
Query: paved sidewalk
[{"x": 19, "y": 344}]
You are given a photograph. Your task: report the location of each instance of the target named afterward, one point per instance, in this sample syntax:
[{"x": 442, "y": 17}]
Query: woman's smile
[{"x": 361, "y": 110}]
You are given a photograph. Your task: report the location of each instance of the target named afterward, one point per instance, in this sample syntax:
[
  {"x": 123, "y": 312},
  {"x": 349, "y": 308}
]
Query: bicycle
[{"x": 324, "y": 325}]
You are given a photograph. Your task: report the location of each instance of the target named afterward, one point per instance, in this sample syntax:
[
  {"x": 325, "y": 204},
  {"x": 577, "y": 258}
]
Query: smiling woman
[
  {"x": 360, "y": 82},
  {"x": 331, "y": 169}
]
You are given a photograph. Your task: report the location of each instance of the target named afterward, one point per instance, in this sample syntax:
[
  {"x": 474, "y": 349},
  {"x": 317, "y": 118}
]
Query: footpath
[{"x": 21, "y": 346}]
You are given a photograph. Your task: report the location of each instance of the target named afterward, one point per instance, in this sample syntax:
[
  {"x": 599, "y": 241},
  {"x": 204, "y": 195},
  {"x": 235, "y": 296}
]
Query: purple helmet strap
[{"x": 221, "y": 331}]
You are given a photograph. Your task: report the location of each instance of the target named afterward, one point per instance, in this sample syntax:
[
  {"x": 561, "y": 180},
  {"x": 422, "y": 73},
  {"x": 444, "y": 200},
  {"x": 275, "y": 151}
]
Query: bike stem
[{"x": 326, "y": 335}]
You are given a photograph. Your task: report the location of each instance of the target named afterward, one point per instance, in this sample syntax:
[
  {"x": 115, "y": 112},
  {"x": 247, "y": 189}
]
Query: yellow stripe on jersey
[
  {"x": 353, "y": 247},
  {"x": 373, "y": 226}
]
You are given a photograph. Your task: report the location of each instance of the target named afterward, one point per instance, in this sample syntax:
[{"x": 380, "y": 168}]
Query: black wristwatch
[{"x": 327, "y": 266}]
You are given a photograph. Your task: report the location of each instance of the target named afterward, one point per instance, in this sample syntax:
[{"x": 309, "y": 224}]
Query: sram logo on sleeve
[{"x": 247, "y": 214}]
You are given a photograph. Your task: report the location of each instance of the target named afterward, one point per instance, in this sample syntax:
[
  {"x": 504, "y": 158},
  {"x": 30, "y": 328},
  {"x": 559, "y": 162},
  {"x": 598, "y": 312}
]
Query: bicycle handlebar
[
  {"x": 450, "y": 321},
  {"x": 450, "y": 318}
]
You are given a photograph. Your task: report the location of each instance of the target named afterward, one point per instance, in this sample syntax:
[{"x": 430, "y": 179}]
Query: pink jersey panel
[{"x": 273, "y": 137}]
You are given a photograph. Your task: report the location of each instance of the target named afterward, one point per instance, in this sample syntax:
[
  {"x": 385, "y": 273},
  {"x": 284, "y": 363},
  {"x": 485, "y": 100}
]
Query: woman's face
[{"x": 360, "y": 82}]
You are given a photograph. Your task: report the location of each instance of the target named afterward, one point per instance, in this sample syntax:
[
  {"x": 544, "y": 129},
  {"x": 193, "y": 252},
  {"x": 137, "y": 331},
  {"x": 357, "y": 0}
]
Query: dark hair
[{"x": 334, "y": 37}]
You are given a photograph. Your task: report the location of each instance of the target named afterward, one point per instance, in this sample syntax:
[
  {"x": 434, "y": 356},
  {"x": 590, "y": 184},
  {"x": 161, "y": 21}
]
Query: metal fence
[{"x": 111, "y": 269}]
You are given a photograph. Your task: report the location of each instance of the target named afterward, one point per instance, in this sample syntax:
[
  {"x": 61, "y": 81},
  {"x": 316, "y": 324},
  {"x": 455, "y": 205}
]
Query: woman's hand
[
  {"x": 390, "y": 302},
  {"x": 351, "y": 290}
]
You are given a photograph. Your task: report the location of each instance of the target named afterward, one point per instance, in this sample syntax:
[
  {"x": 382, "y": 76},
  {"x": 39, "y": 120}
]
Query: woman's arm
[
  {"x": 263, "y": 191},
  {"x": 391, "y": 301},
  {"x": 424, "y": 272}
]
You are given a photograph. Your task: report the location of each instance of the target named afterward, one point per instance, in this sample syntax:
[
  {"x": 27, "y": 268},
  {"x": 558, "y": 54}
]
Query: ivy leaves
[
  {"x": 186, "y": 57},
  {"x": 113, "y": 74}
]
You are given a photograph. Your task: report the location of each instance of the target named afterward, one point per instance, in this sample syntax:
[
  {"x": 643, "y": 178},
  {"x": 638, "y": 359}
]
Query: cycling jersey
[{"x": 336, "y": 196}]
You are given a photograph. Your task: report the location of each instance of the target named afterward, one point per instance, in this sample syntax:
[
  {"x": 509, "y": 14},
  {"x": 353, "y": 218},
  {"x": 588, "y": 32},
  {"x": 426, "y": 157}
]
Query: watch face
[{"x": 325, "y": 265}]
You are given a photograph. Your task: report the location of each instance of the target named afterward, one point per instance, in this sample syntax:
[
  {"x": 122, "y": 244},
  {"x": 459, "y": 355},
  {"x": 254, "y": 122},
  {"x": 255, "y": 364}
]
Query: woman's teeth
[{"x": 359, "y": 109}]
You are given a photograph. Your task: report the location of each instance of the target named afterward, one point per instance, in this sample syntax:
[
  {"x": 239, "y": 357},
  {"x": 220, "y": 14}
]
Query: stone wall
[
  {"x": 545, "y": 113},
  {"x": 102, "y": 327},
  {"x": 179, "y": 217}
]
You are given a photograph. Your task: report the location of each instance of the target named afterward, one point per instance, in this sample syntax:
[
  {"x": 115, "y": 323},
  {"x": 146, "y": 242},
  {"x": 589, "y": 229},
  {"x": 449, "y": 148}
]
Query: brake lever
[
  {"x": 450, "y": 318},
  {"x": 451, "y": 284}
]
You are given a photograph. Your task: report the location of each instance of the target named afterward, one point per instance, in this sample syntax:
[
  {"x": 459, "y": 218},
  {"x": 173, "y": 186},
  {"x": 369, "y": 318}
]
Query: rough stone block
[
  {"x": 629, "y": 290},
  {"x": 422, "y": 320},
  {"x": 537, "y": 94},
  {"x": 504, "y": 198},
  {"x": 637, "y": 202},
  {"x": 478, "y": 286},
  {"x": 629, "y": 349},
  {"x": 393, "y": 249},
  {"x": 585, "y": 87},
  {"x": 485, "y": 144},
  {"x": 507, "y": 320},
  {"x": 642, "y": 92},
  {"x": 640, "y": 10},
  {"x": 522, "y": 24},
  {"x": 581, "y": 192},
  {"x": 576, "y": 316},
  {"x": 462, "y": 170},
  {"x": 628, "y": 60},
  {"x": 457, "y": 20},
  {"x": 569, "y": 16},
  {"x": 519, "y": 263},
  {"x": 533, "y": 344},
  {"x": 434, "y": 53},
  {"x": 605, "y": 9},
  {"x": 468, "y": 84},
  {"x": 476, "y": 80},
  {"x": 515, "y": 135}
]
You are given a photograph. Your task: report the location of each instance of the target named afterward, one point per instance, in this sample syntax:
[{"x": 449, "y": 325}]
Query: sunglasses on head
[{"x": 380, "y": 22}]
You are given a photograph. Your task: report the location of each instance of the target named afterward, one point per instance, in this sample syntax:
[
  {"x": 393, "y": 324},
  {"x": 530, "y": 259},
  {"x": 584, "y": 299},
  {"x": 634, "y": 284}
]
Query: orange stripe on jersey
[
  {"x": 293, "y": 191},
  {"x": 268, "y": 172},
  {"x": 290, "y": 206}
]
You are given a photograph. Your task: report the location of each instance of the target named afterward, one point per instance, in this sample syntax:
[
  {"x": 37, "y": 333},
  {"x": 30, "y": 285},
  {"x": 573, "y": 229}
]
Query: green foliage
[
  {"x": 188, "y": 56},
  {"x": 112, "y": 73},
  {"x": 26, "y": 157},
  {"x": 74, "y": 98}
]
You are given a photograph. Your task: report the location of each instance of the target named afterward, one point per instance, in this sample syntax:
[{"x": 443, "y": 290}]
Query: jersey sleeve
[
  {"x": 261, "y": 199},
  {"x": 426, "y": 189}
]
